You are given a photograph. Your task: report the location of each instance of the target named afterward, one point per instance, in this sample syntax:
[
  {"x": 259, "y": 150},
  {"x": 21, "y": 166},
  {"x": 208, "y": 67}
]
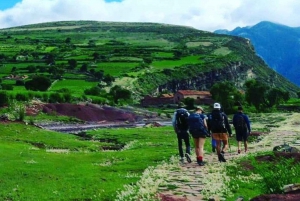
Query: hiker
[
  {"x": 242, "y": 128},
  {"x": 198, "y": 129},
  {"x": 219, "y": 126},
  {"x": 180, "y": 125}
]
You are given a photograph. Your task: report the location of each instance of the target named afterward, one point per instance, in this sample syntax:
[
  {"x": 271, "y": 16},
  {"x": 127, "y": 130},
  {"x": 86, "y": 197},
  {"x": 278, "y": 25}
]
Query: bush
[
  {"x": 20, "y": 83},
  {"x": 3, "y": 98},
  {"x": 56, "y": 98},
  {"x": 38, "y": 83},
  {"x": 22, "y": 97},
  {"x": 276, "y": 176}
]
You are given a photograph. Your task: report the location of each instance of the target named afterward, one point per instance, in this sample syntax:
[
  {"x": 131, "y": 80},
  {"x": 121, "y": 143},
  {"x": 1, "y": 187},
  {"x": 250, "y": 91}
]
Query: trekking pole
[{"x": 229, "y": 144}]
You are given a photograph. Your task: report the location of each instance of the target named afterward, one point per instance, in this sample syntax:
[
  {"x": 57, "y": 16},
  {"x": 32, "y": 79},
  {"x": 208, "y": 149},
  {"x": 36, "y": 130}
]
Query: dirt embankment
[{"x": 92, "y": 113}]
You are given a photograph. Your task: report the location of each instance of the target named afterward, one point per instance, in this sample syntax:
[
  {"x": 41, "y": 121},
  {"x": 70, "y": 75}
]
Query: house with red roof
[
  {"x": 201, "y": 97},
  {"x": 163, "y": 99}
]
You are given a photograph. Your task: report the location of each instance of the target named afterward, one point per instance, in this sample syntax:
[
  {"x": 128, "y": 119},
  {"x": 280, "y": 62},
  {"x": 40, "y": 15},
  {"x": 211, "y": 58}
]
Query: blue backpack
[{"x": 196, "y": 123}]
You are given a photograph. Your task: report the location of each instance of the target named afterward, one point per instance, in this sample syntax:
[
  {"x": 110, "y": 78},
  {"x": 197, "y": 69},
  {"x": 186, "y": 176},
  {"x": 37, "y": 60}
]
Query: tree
[
  {"x": 49, "y": 59},
  {"x": 68, "y": 40},
  {"x": 189, "y": 102},
  {"x": 3, "y": 98},
  {"x": 147, "y": 60},
  {"x": 38, "y": 83},
  {"x": 83, "y": 68},
  {"x": 96, "y": 56},
  {"x": 117, "y": 92},
  {"x": 256, "y": 94},
  {"x": 108, "y": 79},
  {"x": 99, "y": 75},
  {"x": 275, "y": 96},
  {"x": 72, "y": 64},
  {"x": 226, "y": 94}
]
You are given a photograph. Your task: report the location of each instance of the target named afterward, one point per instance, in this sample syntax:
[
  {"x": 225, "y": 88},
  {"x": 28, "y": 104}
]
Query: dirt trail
[{"x": 191, "y": 182}]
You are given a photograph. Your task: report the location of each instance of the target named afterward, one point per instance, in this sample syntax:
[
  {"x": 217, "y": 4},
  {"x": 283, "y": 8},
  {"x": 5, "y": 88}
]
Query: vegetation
[
  {"x": 139, "y": 57},
  {"x": 103, "y": 164},
  {"x": 45, "y": 165},
  {"x": 250, "y": 178}
]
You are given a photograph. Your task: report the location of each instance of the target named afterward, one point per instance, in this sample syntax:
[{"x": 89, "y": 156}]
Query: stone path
[{"x": 191, "y": 182}]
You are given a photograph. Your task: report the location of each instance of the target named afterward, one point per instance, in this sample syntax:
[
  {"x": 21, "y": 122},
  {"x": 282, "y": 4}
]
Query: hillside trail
[{"x": 190, "y": 182}]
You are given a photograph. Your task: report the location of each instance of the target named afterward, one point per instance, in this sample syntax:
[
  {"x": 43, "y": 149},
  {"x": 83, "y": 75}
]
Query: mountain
[
  {"x": 277, "y": 44},
  {"x": 145, "y": 58}
]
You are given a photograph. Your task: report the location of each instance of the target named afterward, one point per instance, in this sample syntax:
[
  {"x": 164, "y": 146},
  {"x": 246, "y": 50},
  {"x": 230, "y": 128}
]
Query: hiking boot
[
  {"x": 239, "y": 151},
  {"x": 213, "y": 149},
  {"x": 188, "y": 158},
  {"x": 201, "y": 163},
  {"x": 221, "y": 158},
  {"x": 181, "y": 160}
]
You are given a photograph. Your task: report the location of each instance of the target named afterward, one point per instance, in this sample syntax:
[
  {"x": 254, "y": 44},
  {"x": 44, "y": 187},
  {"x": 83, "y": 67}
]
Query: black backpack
[
  {"x": 181, "y": 118},
  {"x": 196, "y": 123},
  {"x": 216, "y": 122},
  {"x": 240, "y": 123}
]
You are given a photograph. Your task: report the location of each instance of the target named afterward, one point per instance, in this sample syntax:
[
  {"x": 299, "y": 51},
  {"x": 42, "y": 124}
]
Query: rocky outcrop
[{"x": 238, "y": 73}]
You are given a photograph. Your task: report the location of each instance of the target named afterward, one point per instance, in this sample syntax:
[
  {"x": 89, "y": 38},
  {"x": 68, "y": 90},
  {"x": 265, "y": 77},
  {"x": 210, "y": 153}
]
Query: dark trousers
[{"x": 183, "y": 135}]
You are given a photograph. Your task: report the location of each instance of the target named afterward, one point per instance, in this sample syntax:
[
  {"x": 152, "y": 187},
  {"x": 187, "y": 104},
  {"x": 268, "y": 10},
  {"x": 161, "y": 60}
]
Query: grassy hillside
[{"x": 140, "y": 56}]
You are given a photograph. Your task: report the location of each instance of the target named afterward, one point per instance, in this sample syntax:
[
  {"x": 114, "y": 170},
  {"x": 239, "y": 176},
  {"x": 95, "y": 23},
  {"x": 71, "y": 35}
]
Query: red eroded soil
[{"x": 90, "y": 112}]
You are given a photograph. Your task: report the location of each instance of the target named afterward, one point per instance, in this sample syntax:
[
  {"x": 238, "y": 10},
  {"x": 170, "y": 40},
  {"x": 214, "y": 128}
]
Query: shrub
[
  {"x": 38, "y": 83},
  {"x": 3, "y": 98},
  {"x": 56, "y": 98},
  {"x": 276, "y": 176},
  {"x": 21, "y": 97}
]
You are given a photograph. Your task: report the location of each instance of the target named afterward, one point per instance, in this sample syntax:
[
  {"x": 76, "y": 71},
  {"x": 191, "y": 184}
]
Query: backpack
[
  {"x": 181, "y": 118},
  {"x": 196, "y": 123},
  {"x": 216, "y": 122},
  {"x": 240, "y": 123}
]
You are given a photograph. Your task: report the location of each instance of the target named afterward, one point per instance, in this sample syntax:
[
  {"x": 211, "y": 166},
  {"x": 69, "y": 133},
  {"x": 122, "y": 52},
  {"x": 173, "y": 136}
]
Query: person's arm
[
  {"x": 228, "y": 128},
  {"x": 248, "y": 123},
  {"x": 234, "y": 120},
  {"x": 173, "y": 120},
  {"x": 208, "y": 123}
]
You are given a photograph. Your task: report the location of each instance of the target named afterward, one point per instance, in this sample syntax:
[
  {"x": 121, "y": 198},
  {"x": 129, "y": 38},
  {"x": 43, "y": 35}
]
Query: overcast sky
[{"x": 208, "y": 15}]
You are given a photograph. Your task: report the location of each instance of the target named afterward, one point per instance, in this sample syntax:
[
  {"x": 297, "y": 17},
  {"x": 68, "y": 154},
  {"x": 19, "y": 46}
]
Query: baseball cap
[
  {"x": 217, "y": 106},
  {"x": 199, "y": 108}
]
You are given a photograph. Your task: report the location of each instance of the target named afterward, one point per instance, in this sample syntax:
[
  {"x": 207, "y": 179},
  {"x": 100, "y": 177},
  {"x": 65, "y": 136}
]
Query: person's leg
[
  {"x": 180, "y": 146},
  {"x": 246, "y": 145},
  {"x": 187, "y": 143},
  {"x": 239, "y": 139},
  {"x": 201, "y": 147},
  {"x": 197, "y": 147},
  {"x": 213, "y": 144},
  {"x": 225, "y": 146},
  {"x": 187, "y": 147},
  {"x": 239, "y": 146},
  {"x": 245, "y": 138}
]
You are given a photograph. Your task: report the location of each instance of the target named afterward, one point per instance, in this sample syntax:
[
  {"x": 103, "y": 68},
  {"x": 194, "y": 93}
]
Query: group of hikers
[{"x": 214, "y": 125}]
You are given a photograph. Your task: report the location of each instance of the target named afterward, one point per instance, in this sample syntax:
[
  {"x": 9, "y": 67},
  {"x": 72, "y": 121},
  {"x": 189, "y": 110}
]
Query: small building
[
  {"x": 161, "y": 100},
  {"x": 201, "y": 97}
]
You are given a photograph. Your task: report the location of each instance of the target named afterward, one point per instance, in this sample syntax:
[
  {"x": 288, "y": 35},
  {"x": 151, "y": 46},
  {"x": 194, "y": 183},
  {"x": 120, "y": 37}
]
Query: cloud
[{"x": 206, "y": 15}]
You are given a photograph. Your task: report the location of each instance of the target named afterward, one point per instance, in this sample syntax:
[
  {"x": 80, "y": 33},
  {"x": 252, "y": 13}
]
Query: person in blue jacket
[{"x": 242, "y": 128}]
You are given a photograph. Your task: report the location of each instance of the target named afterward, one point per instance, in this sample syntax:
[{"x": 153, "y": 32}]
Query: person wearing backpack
[
  {"x": 198, "y": 130},
  {"x": 219, "y": 126},
  {"x": 242, "y": 128},
  {"x": 180, "y": 125}
]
